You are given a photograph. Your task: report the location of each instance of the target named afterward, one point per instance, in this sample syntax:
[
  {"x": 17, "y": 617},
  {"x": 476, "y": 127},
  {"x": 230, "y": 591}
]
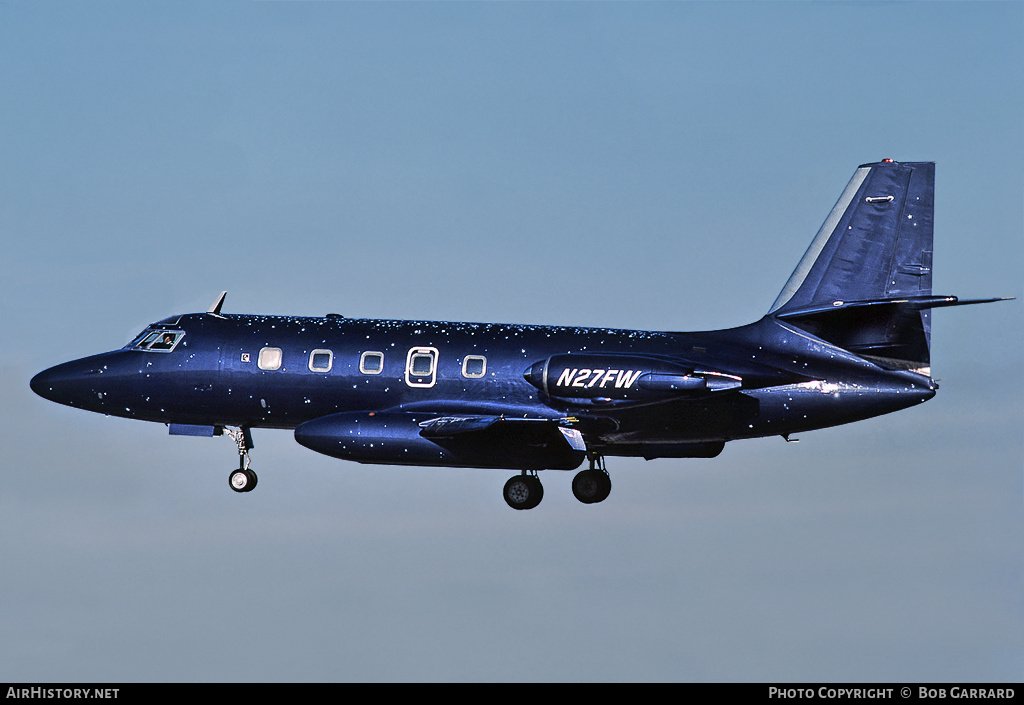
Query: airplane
[{"x": 847, "y": 339}]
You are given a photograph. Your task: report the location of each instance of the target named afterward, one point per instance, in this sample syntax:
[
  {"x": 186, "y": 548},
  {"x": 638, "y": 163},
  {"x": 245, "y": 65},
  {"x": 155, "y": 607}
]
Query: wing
[{"x": 418, "y": 438}]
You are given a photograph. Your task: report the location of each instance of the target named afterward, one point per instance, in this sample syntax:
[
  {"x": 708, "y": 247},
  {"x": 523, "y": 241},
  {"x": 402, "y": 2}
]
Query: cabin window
[
  {"x": 321, "y": 361},
  {"x": 269, "y": 359},
  {"x": 422, "y": 364},
  {"x": 371, "y": 362},
  {"x": 158, "y": 340},
  {"x": 474, "y": 366},
  {"x": 421, "y": 367}
]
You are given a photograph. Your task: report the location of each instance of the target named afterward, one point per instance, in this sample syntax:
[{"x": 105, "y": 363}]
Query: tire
[
  {"x": 603, "y": 480},
  {"x": 523, "y": 492},
  {"x": 538, "y": 490},
  {"x": 241, "y": 480},
  {"x": 591, "y": 486}
]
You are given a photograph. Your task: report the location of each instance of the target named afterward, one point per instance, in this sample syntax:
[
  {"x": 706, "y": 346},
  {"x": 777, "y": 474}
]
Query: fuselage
[
  {"x": 281, "y": 371},
  {"x": 847, "y": 338}
]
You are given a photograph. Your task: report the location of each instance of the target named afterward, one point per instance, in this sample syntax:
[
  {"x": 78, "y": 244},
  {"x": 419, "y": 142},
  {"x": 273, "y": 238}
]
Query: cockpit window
[{"x": 158, "y": 340}]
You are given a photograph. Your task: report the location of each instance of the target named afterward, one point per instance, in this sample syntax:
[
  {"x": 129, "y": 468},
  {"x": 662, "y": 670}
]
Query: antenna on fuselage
[{"x": 215, "y": 308}]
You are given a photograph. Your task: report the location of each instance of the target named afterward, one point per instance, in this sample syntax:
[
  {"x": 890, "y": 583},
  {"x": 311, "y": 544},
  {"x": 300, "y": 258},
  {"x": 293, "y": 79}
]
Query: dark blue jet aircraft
[{"x": 847, "y": 339}]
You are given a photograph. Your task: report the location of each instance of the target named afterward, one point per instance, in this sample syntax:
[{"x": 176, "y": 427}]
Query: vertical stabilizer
[
  {"x": 872, "y": 258},
  {"x": 875, "y": 244}
]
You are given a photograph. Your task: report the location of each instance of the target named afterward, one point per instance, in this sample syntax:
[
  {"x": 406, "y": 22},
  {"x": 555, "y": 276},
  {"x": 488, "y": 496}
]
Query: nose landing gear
[{"x": 243, "y": 479}]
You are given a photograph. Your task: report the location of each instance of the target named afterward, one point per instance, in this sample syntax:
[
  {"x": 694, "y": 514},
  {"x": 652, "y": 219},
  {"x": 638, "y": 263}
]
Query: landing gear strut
[
  {"x": 243, "y": 479},
  {"x": 592, "y": 485},
  {"x": 523, "y": 491}
]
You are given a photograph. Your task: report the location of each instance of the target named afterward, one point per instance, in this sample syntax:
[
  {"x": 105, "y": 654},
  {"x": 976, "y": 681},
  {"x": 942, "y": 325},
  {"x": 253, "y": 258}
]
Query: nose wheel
[{"x": 243, "y": 479}]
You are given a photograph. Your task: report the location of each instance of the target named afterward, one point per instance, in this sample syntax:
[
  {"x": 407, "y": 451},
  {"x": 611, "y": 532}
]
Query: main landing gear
[
  {"x": 243, "y": 479},
  {"x": 589, "y": 486},
  {"x": 592, "y": 485},
  {"x": 523, "y": 491}
]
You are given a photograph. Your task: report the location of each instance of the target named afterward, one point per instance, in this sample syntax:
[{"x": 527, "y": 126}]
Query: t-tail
[{"x": 865, "y": 283}]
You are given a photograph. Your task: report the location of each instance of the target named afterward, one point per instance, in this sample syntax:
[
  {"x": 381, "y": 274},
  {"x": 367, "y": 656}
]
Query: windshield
[{"x": 159, "y": 340}]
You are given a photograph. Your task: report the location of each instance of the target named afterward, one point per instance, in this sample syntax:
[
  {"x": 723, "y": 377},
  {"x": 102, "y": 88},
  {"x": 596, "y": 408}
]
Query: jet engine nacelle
[{"x": 622, "y": 378}]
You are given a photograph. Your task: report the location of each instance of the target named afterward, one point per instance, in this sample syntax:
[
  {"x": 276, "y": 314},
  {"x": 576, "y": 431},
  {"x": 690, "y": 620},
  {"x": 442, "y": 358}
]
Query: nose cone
[
  {"x": 47, "y": 383},
  {"x": 84, "y": 383},
  {"x": 41, "y": 383},
  {"x": 60, "y": 383}
]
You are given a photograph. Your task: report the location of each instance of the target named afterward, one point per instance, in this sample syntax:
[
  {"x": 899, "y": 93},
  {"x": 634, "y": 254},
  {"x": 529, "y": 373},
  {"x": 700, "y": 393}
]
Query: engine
[{"x": 622, "y": 378}]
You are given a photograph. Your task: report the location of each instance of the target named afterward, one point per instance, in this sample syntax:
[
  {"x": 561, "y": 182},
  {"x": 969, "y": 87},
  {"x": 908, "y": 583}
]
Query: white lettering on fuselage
[{"x": 586, "y": 378}]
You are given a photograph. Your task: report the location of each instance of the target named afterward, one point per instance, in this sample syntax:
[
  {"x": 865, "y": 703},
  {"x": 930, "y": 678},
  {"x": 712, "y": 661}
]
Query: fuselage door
[{"x": 421, "y": 367}]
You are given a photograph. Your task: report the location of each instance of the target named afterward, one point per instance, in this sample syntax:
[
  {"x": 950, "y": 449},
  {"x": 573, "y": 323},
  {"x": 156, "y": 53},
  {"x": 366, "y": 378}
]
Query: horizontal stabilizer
[
  {"x": 913, "y": 303},
  {"x": 954, "y": 301},
  {"x": 891, "y": 330}
]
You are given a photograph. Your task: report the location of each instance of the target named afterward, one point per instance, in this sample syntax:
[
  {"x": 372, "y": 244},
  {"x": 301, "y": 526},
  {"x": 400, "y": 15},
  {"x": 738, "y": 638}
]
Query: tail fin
[
  {"x": 865, "y": 283},
  {"x": 875, "y": 244}
]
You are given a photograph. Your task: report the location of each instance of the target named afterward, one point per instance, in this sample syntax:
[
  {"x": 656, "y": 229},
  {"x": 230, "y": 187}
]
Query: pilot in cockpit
[{"x": 165, "y": 343}]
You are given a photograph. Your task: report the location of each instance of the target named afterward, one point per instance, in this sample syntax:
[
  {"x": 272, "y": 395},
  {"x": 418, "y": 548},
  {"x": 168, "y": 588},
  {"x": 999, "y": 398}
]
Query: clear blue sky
[{"x": 644, "y": 165}]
